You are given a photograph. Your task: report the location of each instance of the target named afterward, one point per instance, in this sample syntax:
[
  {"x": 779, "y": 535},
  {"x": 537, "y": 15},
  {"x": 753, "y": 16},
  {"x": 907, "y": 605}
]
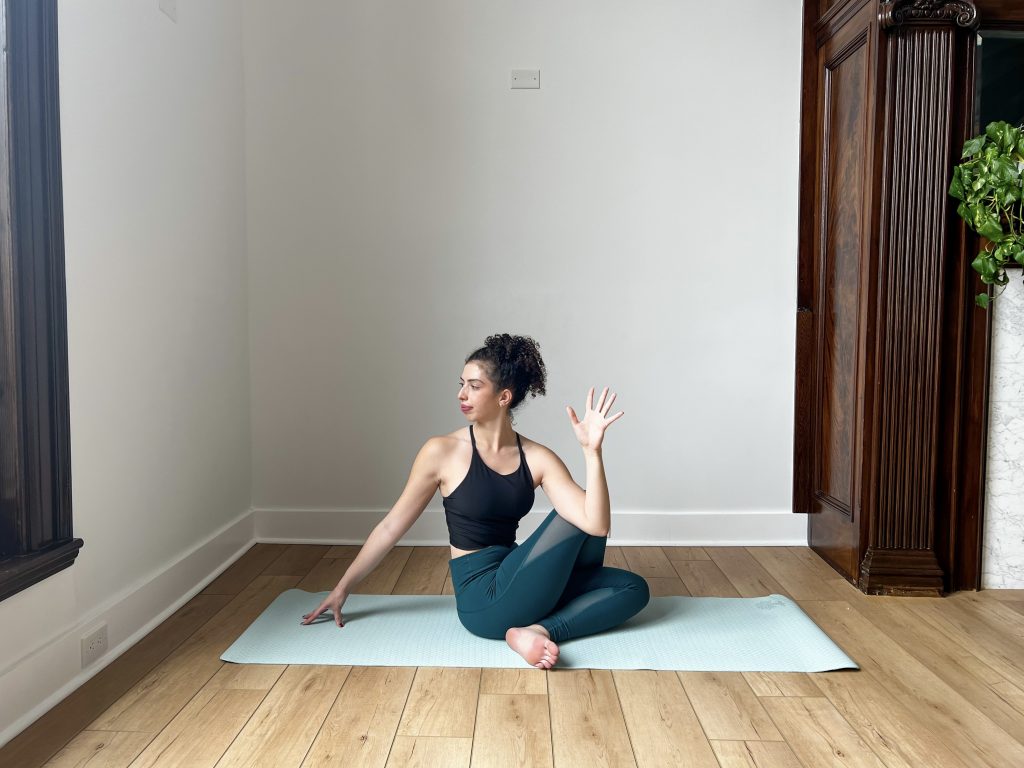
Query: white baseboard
[
  {"x": 50, "y": 671},
  {"x": 629, "y": 528}
]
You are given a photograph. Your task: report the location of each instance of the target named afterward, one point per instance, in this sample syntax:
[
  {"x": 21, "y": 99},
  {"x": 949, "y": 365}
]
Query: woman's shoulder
[
  {"x": 528, "y": 443},
  {"x": 449, "y": 444},
  {"x": 459, "y": 435}
]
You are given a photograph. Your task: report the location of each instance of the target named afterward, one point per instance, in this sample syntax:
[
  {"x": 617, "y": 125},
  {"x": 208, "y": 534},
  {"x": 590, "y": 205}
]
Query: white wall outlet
[
  {"x": 526, "y": 78},
  {"x": 170, "y": 8},
  {"x": 94, "y": 645}
]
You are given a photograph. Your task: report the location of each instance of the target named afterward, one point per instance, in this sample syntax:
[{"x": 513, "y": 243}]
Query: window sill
[{"x": 18, "y": 573}]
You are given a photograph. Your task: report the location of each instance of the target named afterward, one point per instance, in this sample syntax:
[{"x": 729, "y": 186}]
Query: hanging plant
[{"x": 989, "y": 188}]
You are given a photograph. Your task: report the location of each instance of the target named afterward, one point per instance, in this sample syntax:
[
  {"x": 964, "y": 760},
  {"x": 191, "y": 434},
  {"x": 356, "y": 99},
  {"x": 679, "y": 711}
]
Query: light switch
[
  {"x": 526, "y": 78},
  {"x": 170, "y": 8}
]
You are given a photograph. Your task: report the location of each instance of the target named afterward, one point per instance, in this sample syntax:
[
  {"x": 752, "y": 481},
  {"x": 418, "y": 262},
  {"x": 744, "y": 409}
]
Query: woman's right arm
[{"x": 419, "y": 490}]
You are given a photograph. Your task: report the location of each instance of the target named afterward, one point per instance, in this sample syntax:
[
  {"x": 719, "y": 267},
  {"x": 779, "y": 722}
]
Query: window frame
[{"x": 36, "y": 537}]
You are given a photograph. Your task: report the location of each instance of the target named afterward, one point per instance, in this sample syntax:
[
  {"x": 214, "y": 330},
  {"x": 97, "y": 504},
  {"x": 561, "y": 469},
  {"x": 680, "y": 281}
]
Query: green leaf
[
  {"x": 990, "y": 228},
  {"x": 956, "y": 188},
  {"x": 973, "y": 146},
  {"x": 982, "y": 264},
  {"x": 1004, "y": 170},
  {"x": 995, "y": 129},
  {"x": 981, "y": 300}
]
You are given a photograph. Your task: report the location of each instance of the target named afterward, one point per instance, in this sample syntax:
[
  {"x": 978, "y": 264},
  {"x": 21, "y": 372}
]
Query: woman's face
[{"x": 476, "y": 393}]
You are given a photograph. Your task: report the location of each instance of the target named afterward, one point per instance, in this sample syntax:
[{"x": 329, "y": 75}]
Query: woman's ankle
[{"x": 539, "y": 628}]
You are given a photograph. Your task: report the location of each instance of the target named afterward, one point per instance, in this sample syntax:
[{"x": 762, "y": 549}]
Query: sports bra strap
[{"x": 519, "y": 442}]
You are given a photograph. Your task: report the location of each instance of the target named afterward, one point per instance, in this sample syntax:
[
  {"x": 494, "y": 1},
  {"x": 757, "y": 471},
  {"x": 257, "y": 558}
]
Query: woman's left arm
[{"x": 597, "y": 505}]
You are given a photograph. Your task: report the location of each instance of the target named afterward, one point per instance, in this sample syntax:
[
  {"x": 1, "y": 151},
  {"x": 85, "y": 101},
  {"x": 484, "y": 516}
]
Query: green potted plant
[{"x": 990, "y": 188}]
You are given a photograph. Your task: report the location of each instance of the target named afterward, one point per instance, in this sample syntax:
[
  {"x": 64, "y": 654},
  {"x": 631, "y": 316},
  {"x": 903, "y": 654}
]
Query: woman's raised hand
[
  {"x": 332, "y": 602},
  {"x": 590, "y": 431}
]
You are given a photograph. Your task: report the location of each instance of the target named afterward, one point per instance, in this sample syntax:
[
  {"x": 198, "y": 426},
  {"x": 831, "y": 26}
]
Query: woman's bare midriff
[{"x": 456, "y": 552}]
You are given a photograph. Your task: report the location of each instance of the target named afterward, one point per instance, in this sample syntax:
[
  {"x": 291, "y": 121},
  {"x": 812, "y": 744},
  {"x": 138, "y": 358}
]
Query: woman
[{"x": 552, "y": 587}]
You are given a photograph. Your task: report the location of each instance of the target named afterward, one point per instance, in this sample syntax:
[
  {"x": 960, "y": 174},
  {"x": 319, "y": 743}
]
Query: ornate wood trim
[{"x": 898, "y": 13}]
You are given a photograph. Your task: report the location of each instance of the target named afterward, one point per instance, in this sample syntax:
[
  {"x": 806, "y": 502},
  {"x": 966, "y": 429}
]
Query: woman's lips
[{"x": 466, "y": 408}]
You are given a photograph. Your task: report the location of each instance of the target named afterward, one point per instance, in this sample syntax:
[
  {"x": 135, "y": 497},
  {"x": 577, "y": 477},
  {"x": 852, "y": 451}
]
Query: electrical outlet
[
  {"x": 525, "y": 78},
  {"x": 94, "y": 645}
]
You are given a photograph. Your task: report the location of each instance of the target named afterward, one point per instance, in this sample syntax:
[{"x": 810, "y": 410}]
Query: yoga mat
[{"x": 727, "y": 634}]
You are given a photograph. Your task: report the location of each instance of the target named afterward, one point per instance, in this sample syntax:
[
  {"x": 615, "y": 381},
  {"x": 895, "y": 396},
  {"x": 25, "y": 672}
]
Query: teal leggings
[{"x": 556, "y": 578}]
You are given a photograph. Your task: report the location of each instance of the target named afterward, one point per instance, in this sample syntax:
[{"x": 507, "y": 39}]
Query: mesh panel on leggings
[{"x": 558, "y": 532}]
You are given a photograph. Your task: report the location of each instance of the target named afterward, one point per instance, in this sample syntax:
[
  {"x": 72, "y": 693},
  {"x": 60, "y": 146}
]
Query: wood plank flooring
[{"x": 941, "y": 684}]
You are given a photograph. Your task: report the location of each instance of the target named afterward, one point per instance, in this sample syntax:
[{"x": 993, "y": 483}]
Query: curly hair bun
[{"x": 515, "y": 363}]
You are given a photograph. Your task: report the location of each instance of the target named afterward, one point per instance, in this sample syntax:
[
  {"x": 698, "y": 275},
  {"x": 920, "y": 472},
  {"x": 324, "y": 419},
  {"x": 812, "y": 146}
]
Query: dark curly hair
[{"x": 512, "y": 362}]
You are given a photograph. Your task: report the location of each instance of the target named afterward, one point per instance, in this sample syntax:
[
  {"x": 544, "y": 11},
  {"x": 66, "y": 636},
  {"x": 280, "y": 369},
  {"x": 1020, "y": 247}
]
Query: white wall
[
  {"x": 637, "y": 215},
  {"x": 154, "y": 186}
]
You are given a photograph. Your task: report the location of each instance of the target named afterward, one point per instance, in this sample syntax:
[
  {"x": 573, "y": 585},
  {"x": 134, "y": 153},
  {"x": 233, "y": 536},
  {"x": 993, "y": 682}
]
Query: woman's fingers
[
  {"x": 608, "y": 405},
  {"x": 310, "y": 616},
  {"x": 603, "y": 406}
]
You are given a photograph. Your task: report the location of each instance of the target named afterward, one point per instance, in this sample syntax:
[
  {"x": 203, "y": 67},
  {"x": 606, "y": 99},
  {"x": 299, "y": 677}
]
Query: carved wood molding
[{"x": 898, "y": 13}]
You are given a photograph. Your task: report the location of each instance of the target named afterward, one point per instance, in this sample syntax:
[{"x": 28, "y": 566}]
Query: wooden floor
[{"x": 941, "y": 684}]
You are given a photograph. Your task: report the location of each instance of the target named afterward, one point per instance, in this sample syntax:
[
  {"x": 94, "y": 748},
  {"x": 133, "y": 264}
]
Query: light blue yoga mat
[{"x": 714, "y": 634}]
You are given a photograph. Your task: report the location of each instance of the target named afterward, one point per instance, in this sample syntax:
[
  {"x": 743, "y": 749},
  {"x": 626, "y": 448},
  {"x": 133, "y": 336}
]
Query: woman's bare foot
[{"x": 534, "y": 644}]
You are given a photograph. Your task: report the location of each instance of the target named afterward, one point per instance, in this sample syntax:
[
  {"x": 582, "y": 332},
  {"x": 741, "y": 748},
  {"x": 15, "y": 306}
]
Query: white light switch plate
[
  {"x": 170, "y": 7},
  {"x": 526, "y": 78}
]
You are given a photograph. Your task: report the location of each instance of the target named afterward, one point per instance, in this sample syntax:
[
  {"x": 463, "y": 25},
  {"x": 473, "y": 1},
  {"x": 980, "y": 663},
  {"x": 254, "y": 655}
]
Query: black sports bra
[{"x": 486, "y": 507}]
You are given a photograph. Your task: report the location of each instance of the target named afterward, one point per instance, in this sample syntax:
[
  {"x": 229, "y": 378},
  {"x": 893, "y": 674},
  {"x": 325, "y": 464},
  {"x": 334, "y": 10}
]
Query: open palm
[{"x": 590, "y": 431}]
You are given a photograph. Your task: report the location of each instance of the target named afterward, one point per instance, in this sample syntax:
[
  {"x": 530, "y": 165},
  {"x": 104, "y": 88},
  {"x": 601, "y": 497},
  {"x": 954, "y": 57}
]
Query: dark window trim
[{"x": 35, "y": 454}]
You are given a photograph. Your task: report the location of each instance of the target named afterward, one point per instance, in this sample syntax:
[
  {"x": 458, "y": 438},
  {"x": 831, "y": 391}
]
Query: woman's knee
[
  {"x": 643, "y": 590},
  {"x": 559, "y": 520}
]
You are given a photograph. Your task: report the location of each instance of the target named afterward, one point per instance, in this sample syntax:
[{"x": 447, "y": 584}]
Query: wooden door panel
[
  {"x": 839, "y": 258},
  {"x": 831, "y": 343}
]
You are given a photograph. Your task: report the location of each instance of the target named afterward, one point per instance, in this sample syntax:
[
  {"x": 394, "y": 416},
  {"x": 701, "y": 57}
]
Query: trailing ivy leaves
[{"x": 990, "y": 188}]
